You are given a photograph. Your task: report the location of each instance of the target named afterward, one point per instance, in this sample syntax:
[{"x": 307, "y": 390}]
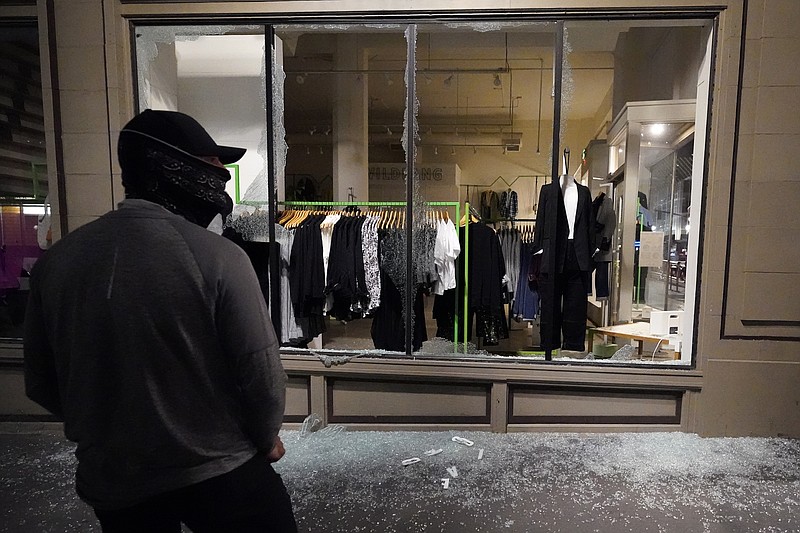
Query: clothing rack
[{"x": 409, "y": 236}]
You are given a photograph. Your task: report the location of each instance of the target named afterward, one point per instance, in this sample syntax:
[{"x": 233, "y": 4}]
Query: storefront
[{"x": 482, "y": 108}]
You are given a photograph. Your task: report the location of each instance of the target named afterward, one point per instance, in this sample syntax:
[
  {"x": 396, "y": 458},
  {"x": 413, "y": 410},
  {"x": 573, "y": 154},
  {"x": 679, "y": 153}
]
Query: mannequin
[{"x": 563, "y": 223}]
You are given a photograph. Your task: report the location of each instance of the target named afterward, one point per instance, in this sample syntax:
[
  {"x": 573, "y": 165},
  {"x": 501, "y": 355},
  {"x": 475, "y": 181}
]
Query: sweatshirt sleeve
[{"x": 249, "y": 340}]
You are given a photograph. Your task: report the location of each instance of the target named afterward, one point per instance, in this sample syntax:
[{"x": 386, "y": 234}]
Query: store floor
[{"x": 355, "y": 482}]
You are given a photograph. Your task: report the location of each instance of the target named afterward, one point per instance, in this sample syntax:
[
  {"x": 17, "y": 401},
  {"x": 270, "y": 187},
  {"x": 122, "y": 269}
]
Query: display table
[{"x": 638, "y": 331}]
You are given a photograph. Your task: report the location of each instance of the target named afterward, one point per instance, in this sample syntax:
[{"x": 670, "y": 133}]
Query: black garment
[
  {"x": 250, "y": 498},
  {"x": 601, "y": 288},
  {"x": 307, "y": 275},
  {"x": 565, "y": 295},
  {"x": 388, "y": 323},
  {"x": 486, "y": 270},
  {"x": 490, "y": 206},
  {"x": 552, "y": 228},
  {"x": 346, "y": 269},
  {"x": 444, "y": 311}
]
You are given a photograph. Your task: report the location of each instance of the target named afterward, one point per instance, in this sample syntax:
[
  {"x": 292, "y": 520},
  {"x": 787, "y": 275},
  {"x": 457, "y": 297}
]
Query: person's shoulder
[{"x": 208, "y": 242}]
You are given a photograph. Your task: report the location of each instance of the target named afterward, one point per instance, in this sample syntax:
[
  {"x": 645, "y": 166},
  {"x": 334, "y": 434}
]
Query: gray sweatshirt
[{"x": 150, "y": 337}]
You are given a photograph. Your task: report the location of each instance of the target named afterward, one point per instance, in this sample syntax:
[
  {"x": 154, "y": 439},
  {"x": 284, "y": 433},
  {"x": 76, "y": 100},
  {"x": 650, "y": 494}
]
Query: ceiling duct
[{"x": 512, "y": 143}]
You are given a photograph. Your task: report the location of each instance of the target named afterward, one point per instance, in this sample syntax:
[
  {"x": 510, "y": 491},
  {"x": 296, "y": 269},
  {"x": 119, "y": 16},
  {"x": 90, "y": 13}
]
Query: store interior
[{"x": 485, "y": 119}]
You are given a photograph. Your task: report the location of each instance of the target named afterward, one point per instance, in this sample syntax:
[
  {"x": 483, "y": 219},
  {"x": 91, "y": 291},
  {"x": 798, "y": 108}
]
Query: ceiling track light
[{"x": 497, "y": 81}]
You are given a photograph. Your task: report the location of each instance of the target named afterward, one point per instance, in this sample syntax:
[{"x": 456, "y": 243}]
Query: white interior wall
[
  {"x": 161, "y": 80},
  {"x": 231, "y": 110}
]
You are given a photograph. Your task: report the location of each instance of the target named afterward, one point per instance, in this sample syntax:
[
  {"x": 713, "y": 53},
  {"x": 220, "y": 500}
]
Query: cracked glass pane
[
  {"x": 344, "y": 185},
  {"x": 484, "y": 127},
  {"x": 216, "y": 75},
  {"x": 639, "y": 174}
]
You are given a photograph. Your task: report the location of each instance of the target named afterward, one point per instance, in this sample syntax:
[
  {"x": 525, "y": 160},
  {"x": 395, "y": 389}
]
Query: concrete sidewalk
[{"x": 355, "y": 482}]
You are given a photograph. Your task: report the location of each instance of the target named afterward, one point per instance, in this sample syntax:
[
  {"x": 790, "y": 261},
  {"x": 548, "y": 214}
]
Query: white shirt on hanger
[{"x": 445, "y": 253}]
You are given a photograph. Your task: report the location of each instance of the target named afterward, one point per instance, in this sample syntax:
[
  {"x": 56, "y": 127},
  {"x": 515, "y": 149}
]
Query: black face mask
[{"x": 182, "y": 183}]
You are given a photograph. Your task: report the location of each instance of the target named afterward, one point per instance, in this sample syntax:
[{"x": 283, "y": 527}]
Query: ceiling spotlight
[
  {"x": 497, "y": 81},
  {"x": 448, "y": 80},
  {"x": 388, "y": 130},
  {"x": 300, "y": 79},
  {"x": 389, "y": 80},
  {"x": 320, "y": 150},
  {"x": 474, "y": 149},
  {"x": 657, "y": 129},
  {"x": 436, "y": 150},
  {"x": 312, "y": 130},
  {"x": 308, "y": 150},
  {"x": 452, "y": 150},
  {"x": 428, "y": 79},
  {"x": 328, "y": 130}
]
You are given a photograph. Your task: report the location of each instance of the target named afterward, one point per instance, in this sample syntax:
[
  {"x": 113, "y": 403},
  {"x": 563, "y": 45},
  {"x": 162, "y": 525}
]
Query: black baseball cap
[{"x": 181, "y": 131}]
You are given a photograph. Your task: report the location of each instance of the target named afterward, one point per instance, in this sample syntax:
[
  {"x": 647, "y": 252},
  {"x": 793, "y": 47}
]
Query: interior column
[{"x": 350, "y": 135}]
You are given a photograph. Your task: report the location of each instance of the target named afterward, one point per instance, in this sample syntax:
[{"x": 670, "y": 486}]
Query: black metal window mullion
[
  {"x": 411, "y": 60},
  {"x": 558, "y": 64},
  {"x": 272, "y": 199}
]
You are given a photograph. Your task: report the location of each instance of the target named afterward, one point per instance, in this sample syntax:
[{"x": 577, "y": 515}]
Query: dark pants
[
  {"x": 251, "y": 498},
  {"x": 601, "y": 280},
  {"x": 563, "y": 301}
]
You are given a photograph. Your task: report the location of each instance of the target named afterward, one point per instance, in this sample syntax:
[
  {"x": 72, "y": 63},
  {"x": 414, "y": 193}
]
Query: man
[{"x": 149, "y": 336}]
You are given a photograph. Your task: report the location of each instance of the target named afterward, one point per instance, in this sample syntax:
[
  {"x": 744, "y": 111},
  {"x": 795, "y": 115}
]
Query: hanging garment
[
  {"x": 307, "y": 274},
  {"x": 485, "y": 294},
  {"x": 389, "y": 319},
  {"x": 605, "y": 222},
  {"x": 292, "y": 329},
  {"x": 445, "y": 252},
  {"x": 490, "y": 206},
  {"x": 369, "y": 250},
  {"x": 510, "y": 242},
  {"x": 526, "y": 298},
  {"x": 508, "y": 204},
  {"x": 346, "y": 270}
]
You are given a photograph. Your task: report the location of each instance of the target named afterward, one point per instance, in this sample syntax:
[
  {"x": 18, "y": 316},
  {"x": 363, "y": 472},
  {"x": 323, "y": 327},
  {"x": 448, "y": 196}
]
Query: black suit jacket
[{"x": 552, "y": 229}]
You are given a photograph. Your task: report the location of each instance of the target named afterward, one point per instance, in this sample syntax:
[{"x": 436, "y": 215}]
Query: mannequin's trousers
[{"x": 563, "y": 306}]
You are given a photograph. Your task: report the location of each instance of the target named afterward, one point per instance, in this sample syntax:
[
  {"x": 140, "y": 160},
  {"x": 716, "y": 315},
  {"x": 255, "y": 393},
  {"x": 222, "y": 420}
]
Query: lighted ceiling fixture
[
  {"x": 452, "y": 150},
  {"x": 389, "y": 80},
  {"x": 308, "y": 150},
  {"x": 436, "y": 150},
  {"x": 388, "y": 130},
  {"x": 657, "y": 129},
  {"x": 497, "y": 81}
]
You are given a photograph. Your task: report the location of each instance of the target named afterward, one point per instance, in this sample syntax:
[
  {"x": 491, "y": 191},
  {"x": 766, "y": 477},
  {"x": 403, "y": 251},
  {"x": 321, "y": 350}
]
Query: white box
[{"x": 664, "y": 323}]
